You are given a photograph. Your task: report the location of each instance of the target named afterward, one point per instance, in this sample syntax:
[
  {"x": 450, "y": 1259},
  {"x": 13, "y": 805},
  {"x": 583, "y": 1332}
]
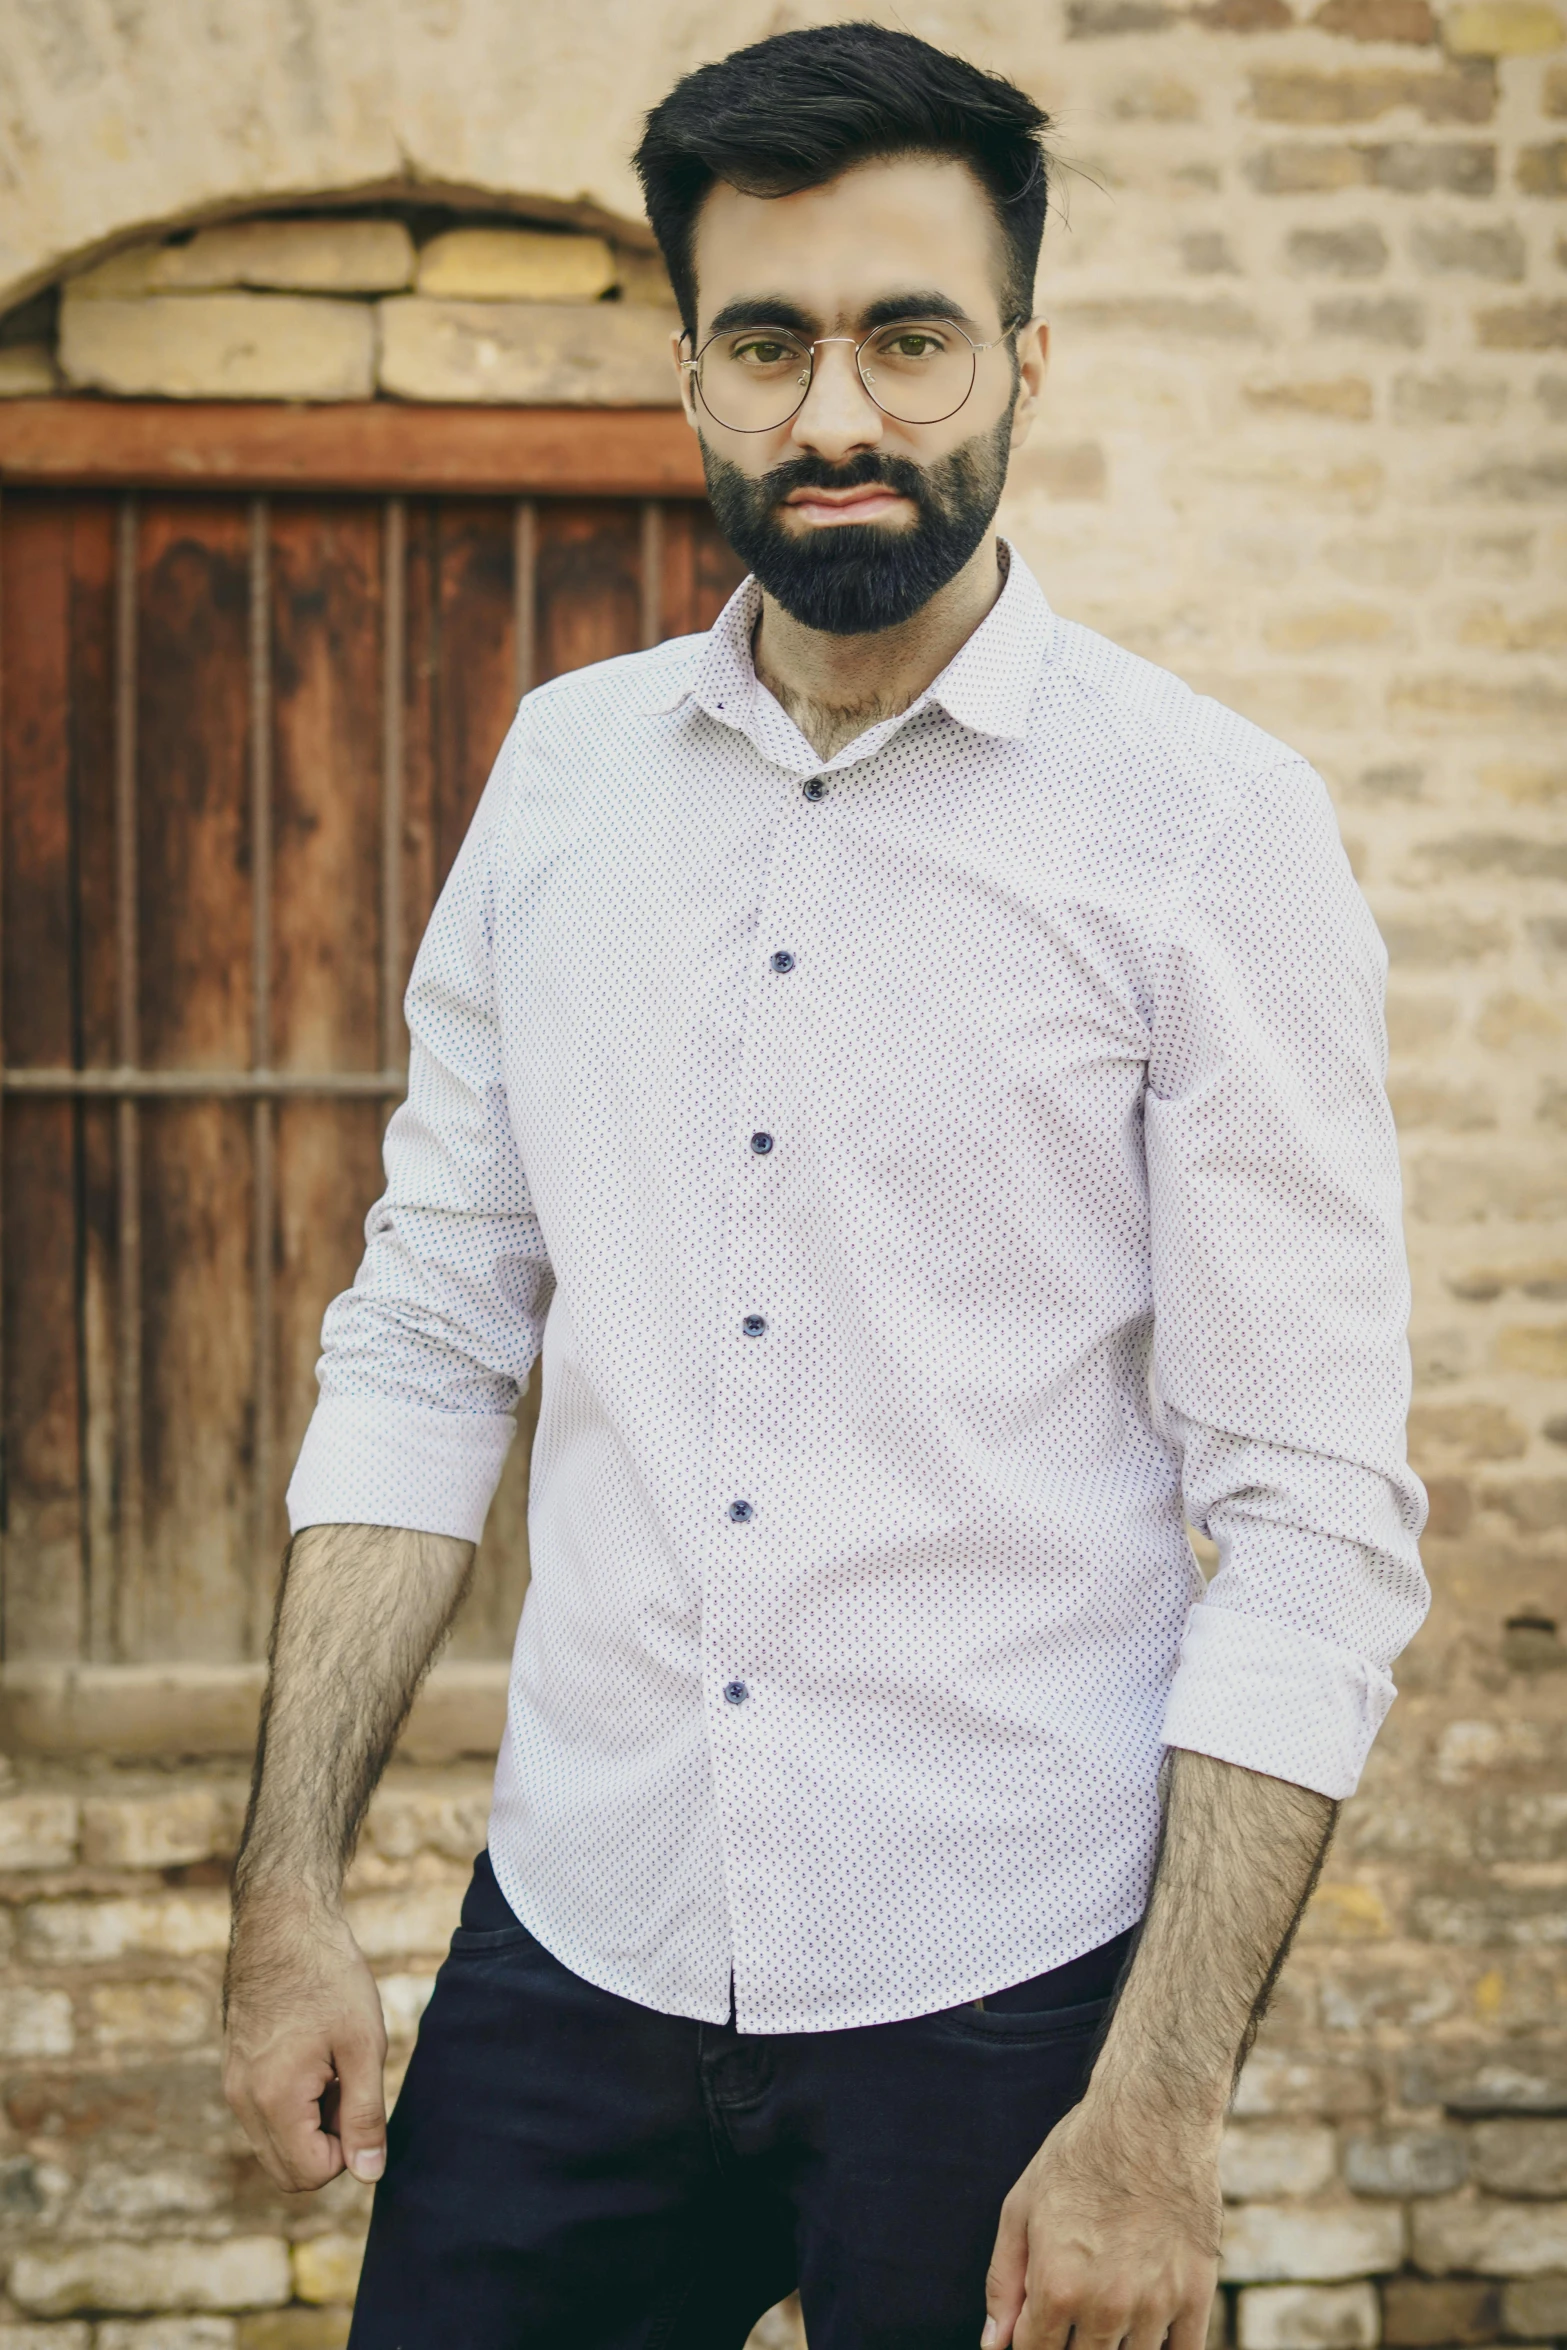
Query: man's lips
[{"x": 827, "y": 509}]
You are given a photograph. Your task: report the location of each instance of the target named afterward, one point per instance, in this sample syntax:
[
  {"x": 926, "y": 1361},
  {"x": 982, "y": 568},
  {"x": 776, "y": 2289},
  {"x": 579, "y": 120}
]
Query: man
[{"x": 927, "y": 1066}]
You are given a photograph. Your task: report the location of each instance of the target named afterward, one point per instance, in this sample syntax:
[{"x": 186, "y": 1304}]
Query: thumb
[
  {"x": 1005, "y": 2280},
  {"x": 361, "y": 2110}
]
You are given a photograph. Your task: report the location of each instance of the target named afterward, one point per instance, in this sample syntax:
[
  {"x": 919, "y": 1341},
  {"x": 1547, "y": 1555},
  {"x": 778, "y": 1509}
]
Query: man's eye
[
  {"x": 762, "y": 353},
  {"x": 915, "y": 344}
]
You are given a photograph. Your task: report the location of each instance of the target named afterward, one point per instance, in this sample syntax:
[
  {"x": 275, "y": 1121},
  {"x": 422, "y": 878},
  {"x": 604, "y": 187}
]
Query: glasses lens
[
  {"x": 754, "y": 381},
  {"x": 919, "y": 370}
]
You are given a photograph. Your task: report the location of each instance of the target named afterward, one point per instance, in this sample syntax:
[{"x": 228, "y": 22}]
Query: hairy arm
[
  {"x": 1112, "y": 2233},
  {"x": 360, "y": 1615}
]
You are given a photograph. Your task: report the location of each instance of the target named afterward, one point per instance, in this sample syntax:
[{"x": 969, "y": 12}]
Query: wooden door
[{"x": 242, "y": 737}]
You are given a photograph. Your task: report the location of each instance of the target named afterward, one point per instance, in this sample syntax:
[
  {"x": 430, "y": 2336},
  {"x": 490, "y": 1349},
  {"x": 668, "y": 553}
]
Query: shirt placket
[{"x": 762, "y": 1353}]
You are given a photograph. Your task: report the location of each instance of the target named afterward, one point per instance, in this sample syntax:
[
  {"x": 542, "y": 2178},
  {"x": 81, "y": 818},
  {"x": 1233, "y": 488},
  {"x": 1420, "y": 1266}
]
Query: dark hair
[{"x": 794, "y": 111}]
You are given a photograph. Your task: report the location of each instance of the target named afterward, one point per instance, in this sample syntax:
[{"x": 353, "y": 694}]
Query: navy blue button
[
  {"x": 739, "y": 1511},
  {"x": 736, "y": 1692},
  {"x": 816, "y": 789},
  {"x": 761, "y": 1144},
  {"x": 783, "y": 960},
  {"x": 753, "y": 1324}
]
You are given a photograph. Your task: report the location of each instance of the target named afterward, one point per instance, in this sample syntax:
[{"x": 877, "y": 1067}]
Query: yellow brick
[
  {"x": 166, "y": 1829},
  {"x": 1538, "y": 1347},
  {"x": 174, "y": 1925},
  {"x": 1346, "y": 1913},
  {"x": 1508, "y": 1021},
  {"x": 326, "y": 2268},
  {"x": 151, "y": 2015},
  {"x": 1528, "y": 785},
  {"x": 1344, "y": 396},
  {"x": 1332, "y": 626},
  {"x": 1489, "y": 626},
  {"x": 38, "y": 1831},
  {"x": 1503, "y": 28},
  {"x": 515, "y": 265}
]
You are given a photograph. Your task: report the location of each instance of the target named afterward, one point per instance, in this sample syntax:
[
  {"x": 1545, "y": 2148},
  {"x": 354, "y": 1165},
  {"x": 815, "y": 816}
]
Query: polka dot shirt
[{"x": 933, "y": 1177}]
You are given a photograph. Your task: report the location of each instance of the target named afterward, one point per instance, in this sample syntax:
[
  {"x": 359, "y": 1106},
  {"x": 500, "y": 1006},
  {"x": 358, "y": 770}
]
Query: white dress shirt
[{"x": 942, "y": 1170}]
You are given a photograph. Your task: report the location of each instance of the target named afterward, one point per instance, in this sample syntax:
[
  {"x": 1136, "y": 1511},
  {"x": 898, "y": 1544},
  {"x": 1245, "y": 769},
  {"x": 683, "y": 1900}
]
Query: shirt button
[
  {"x": 753, "y": 1324},
  {"x": 740, "y": 1511},
  {"x": 736, "y": 1692},
  {"x": 761, "y": 1144},
  {"x": 817, "y": 788},
  {"x": 783, "y": 960}
]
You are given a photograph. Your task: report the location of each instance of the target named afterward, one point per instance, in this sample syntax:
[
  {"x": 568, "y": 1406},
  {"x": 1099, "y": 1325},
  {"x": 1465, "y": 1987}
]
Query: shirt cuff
[
  {"x": 1275, "y": 1700},
  {"x": 367, "y": 1461}
]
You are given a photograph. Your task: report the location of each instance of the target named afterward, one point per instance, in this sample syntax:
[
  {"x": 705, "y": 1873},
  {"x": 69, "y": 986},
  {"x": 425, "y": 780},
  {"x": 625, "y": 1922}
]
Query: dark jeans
[{"x": 569, "y": 2171}]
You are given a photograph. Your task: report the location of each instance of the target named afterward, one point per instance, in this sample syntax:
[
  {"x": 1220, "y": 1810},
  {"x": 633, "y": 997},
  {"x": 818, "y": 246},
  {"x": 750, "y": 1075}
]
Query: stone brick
[
  {"x": 1536, "y": 1505},
  {"x": 220, "y": 347},
  {"x": 1217, "y": 319},
  {"x": 151, "y": 2015},
  {"x": 167, "y": 2333},
  {"x": 1523, "y": 2158},
  {"x": 1321, "y": 2243},
  {"x": 1345, "y": 396},
  {"x": 168, "y": 1829},
  {"x": 1275, "y": 2084},
  {"x": 1454, "y": 247},
  {"x": 1449, "y": 1501},
  {"x": 326, "y": 2268},
  {"x": 127, "y": 2194},
  {"x": 1451, "y": 700},
  {"x": 1357, "y": 251},
  {"x": 1406, "y": 2162},
  {"x": 597, "y": 354},
  {"x": 404, "y": 1999},
  {"x": 38, "y": 1831},
  {"x": 1421, "y": 2315},
  {"x": 1536, "y": 1347},
  {"x": 66, "y": 2337},
  {"x": 1477, "y": 1431},
  {"x": 34, "y": 2022},
  {"x": 172, "y": 1925},
  {"x": 1530, "y": 481},
  {"x": 1406, "y": 560},
  {"x": 239, "y": 2272},
  {"x": 1332, "y": 626},
  {"x": 1097, "y": 20},
  {"x": 1553, "y": 93},
  {"x": 1551, "y": 392},
  {"x": 1407, "y": 167},
  {"x": 1068, "y": 473},
  {"x": 642, "y": 277},
  {"x": 1377, "y": 20},
  {"x": 1510, "y": 1022},
  {"x": 1307, "y": 2317},
  {"x": 1400, "y": 779},
  {"x": 1466, "y": 1191},
  {"x": 515, "y": 265},
  {"x": 1256, "y": 2163},
  {"x": 1490, "y": 2239},
  {"x": 1523, "y": 326},
  {"x": 324, "y": 256},
  {"x": 1205, "y": 252},
  {"x": 452, "y": 1821},
  {"x": 1293, "y": 94},
  {"x": 1372, "y": 318},
  {"x": 1449, "y": 398},
  {"x": 1503, "y": 28},
  {"x": 294, "y": 2329},
  {"x": 1514, "y": 854},
  {"x": 27, "y": 372},
  {"x": 1542, "y": 171},
  {"x": 1439, "y": 943},
  {"x": 417, "y": 1923},
  {"x": 1535, "y": 2309}
]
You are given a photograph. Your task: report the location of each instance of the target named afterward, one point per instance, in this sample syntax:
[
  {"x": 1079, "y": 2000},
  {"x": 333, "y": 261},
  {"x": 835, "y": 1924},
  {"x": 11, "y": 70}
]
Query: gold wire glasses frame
[{"x": 919, "y": 371}]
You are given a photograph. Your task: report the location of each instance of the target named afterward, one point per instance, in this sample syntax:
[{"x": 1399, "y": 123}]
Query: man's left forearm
[{"x": 1114, "y": 2227}]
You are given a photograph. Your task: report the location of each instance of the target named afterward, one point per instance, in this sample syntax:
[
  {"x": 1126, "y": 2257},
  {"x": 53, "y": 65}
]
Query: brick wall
[{"x": 1306, "y": 444}]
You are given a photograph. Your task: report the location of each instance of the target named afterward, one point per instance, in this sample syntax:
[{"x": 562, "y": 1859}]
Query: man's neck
[{"x": 834, "y": 687}]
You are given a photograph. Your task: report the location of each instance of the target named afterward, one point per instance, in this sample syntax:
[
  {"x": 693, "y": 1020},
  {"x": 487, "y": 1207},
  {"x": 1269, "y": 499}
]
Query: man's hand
[
  {"x": 305, "y": 2048},
  {"x": 1111, "y": 2235},
  {"x": 1112, "y": 2232}
]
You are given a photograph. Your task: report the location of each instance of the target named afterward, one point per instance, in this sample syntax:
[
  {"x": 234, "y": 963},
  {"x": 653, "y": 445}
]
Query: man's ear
[
  {"x": 1033, "y": 360},
  {"x": 680, "y": 351}
]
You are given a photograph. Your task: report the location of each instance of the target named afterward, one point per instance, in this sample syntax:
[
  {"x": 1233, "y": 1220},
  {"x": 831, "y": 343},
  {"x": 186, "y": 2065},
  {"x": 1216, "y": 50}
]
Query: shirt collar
[{"x": 987, "y": 686}]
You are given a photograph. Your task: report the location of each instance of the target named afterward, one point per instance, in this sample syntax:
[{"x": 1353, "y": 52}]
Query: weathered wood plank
[
  {"x": 352, "y": 445},
  {"x": 589, "y": 583},
  {"x": 42, "y": 1402}
]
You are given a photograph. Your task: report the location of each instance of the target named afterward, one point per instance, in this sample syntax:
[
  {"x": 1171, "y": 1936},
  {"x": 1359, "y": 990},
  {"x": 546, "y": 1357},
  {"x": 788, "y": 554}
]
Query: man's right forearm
[{"x": 361, "y": 1613}]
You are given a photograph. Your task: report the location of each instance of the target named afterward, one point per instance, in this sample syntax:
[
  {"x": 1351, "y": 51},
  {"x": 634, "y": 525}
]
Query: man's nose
[{"x": 839, "y": 416}]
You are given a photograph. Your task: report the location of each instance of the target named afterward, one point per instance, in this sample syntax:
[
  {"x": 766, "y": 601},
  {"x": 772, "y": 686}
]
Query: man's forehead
[{"x": 837, "y": 249}]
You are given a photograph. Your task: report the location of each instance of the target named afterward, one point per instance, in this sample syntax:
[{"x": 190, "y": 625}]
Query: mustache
[{"x": 856, "y": 473}]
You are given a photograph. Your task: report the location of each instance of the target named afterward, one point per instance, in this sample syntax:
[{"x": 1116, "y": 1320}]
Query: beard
[{"x": 857, "y": 577}]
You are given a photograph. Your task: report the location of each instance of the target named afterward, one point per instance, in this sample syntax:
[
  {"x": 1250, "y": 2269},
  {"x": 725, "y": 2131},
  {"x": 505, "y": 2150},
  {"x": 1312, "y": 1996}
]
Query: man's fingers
[
  {"x": 1006, "y": 2277},
  {"x": 282, "y": 2120},
  {"x": 360, "y": 2116}
]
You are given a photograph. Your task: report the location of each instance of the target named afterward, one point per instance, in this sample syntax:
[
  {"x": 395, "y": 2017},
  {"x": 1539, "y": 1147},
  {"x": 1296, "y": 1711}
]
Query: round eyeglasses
[{"x": 917, "y": 371}]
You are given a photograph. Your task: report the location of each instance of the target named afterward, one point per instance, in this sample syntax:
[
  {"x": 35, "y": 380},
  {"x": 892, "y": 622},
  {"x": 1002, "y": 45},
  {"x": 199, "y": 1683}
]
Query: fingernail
[
  {"x": 989, "y": 2334},
  {"x": 368, "y": 2163}
]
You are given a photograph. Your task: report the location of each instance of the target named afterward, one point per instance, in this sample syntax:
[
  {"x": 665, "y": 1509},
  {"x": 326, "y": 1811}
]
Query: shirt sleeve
[
  {"x": 1281, "y": 1295},
  {"x": 425, "y": 1357}
]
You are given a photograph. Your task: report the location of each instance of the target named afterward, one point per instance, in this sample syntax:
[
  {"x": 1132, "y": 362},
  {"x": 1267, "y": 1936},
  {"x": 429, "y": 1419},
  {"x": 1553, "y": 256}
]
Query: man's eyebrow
[{"x": 777, "y": 310}]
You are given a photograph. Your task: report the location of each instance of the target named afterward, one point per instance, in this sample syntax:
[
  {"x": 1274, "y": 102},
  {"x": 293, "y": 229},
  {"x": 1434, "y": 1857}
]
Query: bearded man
[{"x": 917, "y": 1070}]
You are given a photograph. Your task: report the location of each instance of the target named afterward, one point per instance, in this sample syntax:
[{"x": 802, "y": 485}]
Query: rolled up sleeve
[
  {"x": 1281, "y": 1296},
  {"x": 424, "y": 1359}
]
